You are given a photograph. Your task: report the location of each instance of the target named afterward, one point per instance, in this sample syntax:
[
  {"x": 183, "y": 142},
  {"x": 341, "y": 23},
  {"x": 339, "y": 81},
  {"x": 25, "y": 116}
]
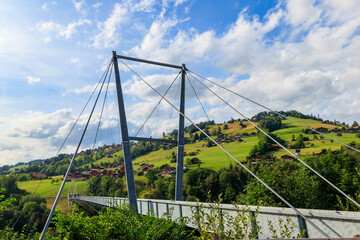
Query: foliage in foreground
[
  {"x": 18, "y": 206},
  {"x": 212, "y": 221},
  {"x": 121, "y": 223}
]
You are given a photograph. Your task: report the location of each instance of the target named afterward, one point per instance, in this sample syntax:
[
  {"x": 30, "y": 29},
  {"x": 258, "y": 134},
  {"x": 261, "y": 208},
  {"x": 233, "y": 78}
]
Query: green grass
[
  {"x": 48, "y": 189},
  {"x": 216, "y": 159},
  {"x": 210, "y": 157},
  {"x": 19, "y": 167}
]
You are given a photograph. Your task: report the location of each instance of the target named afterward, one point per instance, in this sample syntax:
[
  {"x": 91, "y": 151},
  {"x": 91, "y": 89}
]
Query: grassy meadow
[
  {"x": 210, "y": 157},
  {"x": 49, "y": 190}
]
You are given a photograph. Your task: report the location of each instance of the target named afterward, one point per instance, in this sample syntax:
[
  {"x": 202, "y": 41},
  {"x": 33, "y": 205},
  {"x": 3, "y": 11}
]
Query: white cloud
[
  {"x": 35, "y": 135},
  {"x": 78, "y": 5},
  {"x": 109, "y": 36},
  {"x": 142, "y": 6},
  {"x": 61, "y": 30},
  {"x": 32, "y": 80},
  {"x": 302, "y": 12},
  {"x": 97, "y": 5},
  {"x": 289, "y": 70},
  {"x": 89, "y": 89},
  {"x": 45, "y": 5},
  {"x": 74, "y": 60}
]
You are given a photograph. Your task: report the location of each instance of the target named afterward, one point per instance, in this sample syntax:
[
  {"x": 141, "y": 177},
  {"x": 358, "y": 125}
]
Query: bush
[
  {"x": 212, "y": 222},
  {"x": 191, "y": 153},
  {"x": 122, "y": 223}
]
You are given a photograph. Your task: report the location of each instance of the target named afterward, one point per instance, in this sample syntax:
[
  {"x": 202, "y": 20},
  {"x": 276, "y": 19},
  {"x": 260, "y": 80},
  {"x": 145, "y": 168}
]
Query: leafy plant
[
  {"x": 287, "y": 229},
  {"x": 213, "y": 221},
  {"x": 118, "y": 223}
]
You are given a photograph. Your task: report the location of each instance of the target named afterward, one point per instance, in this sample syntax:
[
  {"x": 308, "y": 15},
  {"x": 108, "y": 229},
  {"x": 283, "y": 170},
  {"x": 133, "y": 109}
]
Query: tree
[
  {"x": 150, "y": 178},
  {"x": 299, "y": 142},
  {"x": 173, "y": 157},
  {"x": 226, "y": 126},
  {"x": 270, "y": 123},
  {"x": 210, "y": 143},
  {"x": 219, "y": 131},
  {"x": 4, "y": 202},
  {"x": 196, "y": 137},
  {"x": 265, "y": 144},
  {"x": 355, "y": 124}
]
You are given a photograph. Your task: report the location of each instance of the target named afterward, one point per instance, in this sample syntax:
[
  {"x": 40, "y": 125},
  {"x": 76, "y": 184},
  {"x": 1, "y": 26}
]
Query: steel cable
[
  {"x": 283, "y": 147},
  {"x": 248, "y": 170},
  {"x": 63, "y": 143}
]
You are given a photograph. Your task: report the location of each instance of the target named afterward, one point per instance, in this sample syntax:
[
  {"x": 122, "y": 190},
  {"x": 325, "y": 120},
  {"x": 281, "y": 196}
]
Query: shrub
[{"x": 121, "y": 223}]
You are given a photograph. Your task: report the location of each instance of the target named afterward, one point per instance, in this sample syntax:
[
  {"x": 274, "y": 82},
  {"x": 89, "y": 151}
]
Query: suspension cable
[
  {"x": 197, "y": 97},
  {"x": 313, "y": 170},
  {"x": 70, "y": 165},
  {"x": 269, "y": 109},
  {"x": 62, "y": 145},
  {"x": 157, "y": 105},
  {"x": 102, "y": 109},
  {"x": 172, "y": 110},
  {"x": 248, "y": 170}
]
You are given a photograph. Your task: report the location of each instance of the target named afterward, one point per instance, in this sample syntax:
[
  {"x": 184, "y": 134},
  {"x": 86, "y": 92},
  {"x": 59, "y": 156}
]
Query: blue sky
[{"x": 293, "y": 54}]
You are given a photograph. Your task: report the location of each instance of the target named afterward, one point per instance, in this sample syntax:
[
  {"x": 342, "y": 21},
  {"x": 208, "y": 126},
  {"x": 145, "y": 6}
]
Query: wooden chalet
[{"x": 37, "y": 176}]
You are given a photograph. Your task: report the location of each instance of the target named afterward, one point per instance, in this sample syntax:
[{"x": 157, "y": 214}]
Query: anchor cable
[
  {"x": 63, "y": 143},
  {"x": 157, "y": 105},
  {"x": 197, "y": 97},
  {"x": 301, "y": 161},
  {"x": 248, "y": 170},
  {"x": 269, "y": 109},
  {"x": 70, "y": 165},
  {"x": 103, "y": 105}
]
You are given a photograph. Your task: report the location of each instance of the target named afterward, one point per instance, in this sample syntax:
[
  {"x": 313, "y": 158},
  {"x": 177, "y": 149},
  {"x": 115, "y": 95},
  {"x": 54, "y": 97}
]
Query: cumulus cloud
[
  {"x": 74, "y": 60},
  {"x": 109, "y": 30},
  {"x": 108, "y": 35},
  {"x": 89, "y": 89},
  {"x": 34, "y": 135},
  {"x": 32, "y": 80},
  {"x": 38, "y": 125},
  {"x": 306, "y": 68},
  {"x": 97, "y": 5},
  {"x": 78, "y": 5},
  {"x": 142, "y": 6},
  {"x": 59, "y": 29},
  {"x": 45, "y": 6}
]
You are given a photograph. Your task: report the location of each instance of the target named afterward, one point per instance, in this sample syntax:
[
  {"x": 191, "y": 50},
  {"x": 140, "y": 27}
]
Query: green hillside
[
  {"x": 214, "y": 158},
  {"x": 210, "y": 157}
]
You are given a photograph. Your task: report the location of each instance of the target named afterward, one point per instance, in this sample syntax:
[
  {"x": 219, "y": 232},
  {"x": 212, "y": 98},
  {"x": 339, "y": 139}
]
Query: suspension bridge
[{"x": 314, "y": 223}]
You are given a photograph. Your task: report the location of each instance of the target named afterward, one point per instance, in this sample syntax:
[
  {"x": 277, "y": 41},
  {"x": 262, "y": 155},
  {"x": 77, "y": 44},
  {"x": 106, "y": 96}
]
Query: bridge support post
[
  {"x": 302, "y": 227},
  {"x": 125, "y": 139},
  {"x": 181, "y": 142},
  {"x": 253, "y": 225}
]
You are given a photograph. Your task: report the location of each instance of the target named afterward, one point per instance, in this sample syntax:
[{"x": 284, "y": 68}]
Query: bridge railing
[{"x": 337, "y": 224}]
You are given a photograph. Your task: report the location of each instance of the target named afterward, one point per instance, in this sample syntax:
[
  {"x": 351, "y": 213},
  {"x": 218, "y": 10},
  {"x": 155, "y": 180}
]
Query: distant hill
[{"x": 236, "y": 135}]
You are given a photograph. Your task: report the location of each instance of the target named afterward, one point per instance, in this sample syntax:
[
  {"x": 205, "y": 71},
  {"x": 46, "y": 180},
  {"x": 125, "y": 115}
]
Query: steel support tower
[
  {"x": 129, "y": 172},
  {"x": 126, "y": 139}
]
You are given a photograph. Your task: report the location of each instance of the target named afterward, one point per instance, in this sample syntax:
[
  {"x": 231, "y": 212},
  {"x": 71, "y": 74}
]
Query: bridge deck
[{"x": 337, "y": 224}]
